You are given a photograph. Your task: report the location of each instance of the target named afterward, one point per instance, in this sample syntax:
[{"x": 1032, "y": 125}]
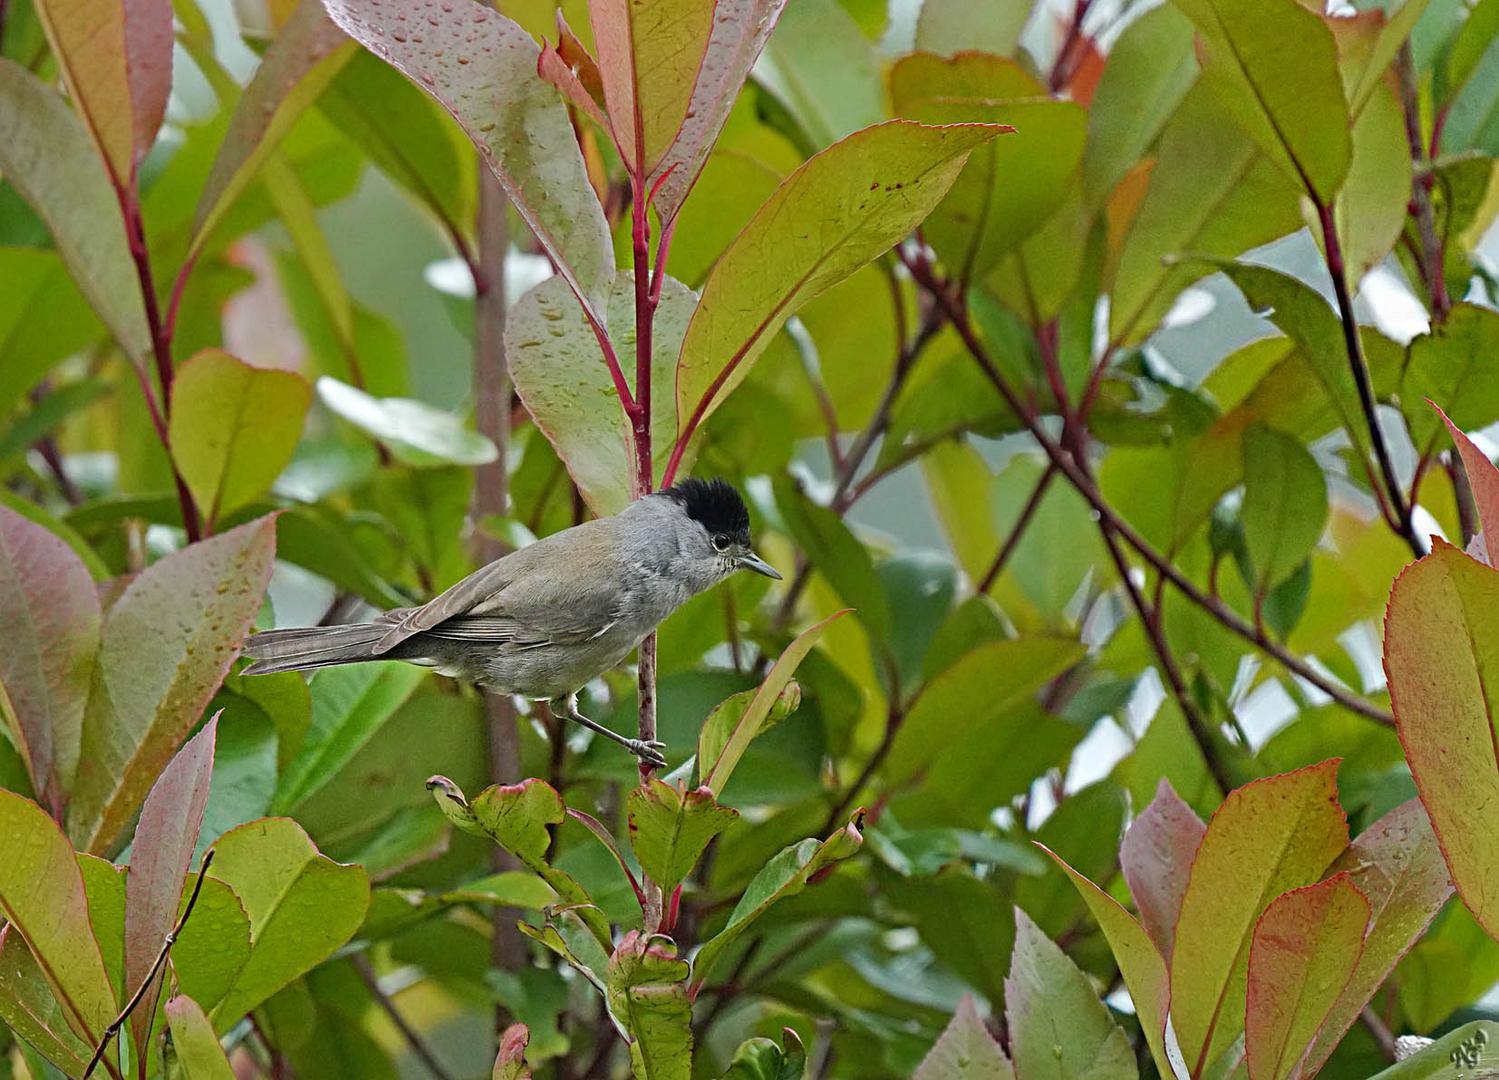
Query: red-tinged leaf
[
  {"x": 740, "y": 30},
  {"x": 481, "y": 67},
  {"x": 1305, "y": 949},
  {"x": 117, "y": 61},
  {"x": 42, "y": 897},
  {"x": 32, "y": 1011},
  {"x": 50, "y": 612},
  {"x": 1156, "y": 858},
  {"x": 1441, "y": 657},
  {"x": 510, "y": 1063},
  {"x": 1398, "y": 866},
  {"x": 167, "y": 643},
  {"x": 46, "y": 156},
  {"x": 554, "y": 68},
  {"x": 1269, "y": 836},
  {"x": 161, "y": 856},
  {"x": 303, "y": 59},
  {"x": 1483, "y": 479},
  {"x": 965, "y": 1050},
  {"x": 1140, "y": 963},
  {"x": 649, "y": 55},
  {"x": 577, "y": 57},
  {"x": 670, "y": 828},
  {"x": 841, "y": 209}
]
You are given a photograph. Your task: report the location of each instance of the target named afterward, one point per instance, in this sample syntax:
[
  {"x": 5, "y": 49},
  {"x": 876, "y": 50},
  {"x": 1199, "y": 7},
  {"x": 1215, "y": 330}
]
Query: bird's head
[{"x": 713, "y": 529}]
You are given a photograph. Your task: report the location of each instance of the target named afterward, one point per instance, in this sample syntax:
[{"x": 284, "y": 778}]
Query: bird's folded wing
[{"x": 529, "y": 597}]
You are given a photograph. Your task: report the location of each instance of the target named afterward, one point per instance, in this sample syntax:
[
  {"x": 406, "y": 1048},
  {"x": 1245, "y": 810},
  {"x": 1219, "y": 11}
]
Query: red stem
[{"x": 645, "y": 318}]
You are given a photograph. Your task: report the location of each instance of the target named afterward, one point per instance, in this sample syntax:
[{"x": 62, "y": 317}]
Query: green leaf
[
  {"x": 1085, "y": 830},
  {"x": 42, "y": 898},
  {"x": 405, "y": 135},
  {"x": 49, "y": 414},
  {"x": 301, "y": 905},
  {"x": 45, "y": 155},
  {"x": 561, "y": 377},
  {"x": 44, "y": 318},
  {"x": 965, "y": 1050},
  {"x": 1011, "y": 186},
  {"x": 823, "y": 71},
  {"x": 725, "y": 718},
  {"x": 1440, "y": 655},
  {"x": 234, "y": 427},
  {"x": 761, "y": 1059},
  {"x": 649, "y": 61},
  {"x": 304, "y": 57},
  {"x": 1149, "y": 70},
  {"x": 979, "y": 689},
  {"x": 715, "y": 771},
  {"x": 1285, "y": 504},
  {"x": 1140, "y": 964},
  {"x": 1058, "y": 1027},
  {"x": 1466, "y": 1051},
  {"x": 830, "y": 546},
  {"x": 32, "y": 1011},
  {"x": 783, "y": 876},
  {"x": 949, "y": 27},
  {"x": 1454, "y": 366},
  {"x": 1371, "y": 208},
  {"x": 843, "y": 208},
  {"x": 194, "y": 1041},
  {"x": 213, "y": 945},
  {"x": 166, "y": 645},
  {"x": 48, "y": 604},
  {"x": 962, "y": 919},
  {"x": 1305, "y": 949},
  {"x": 415, "y": 432},
  {"x": 647, "y": 991},
  {"x": 160, "y": 858},
  {"x": 1274, "y": 64},
  {"x": 118, "y": 65},
  {"x": 349, "y": 707},
  {"x": 1269, "y": 836},
  {"x": 1212, "y": 192},
  {"x": 1156, "y": 858},
  {"x": 481, "y": 68},
  {"x": 670, "y": 828}
]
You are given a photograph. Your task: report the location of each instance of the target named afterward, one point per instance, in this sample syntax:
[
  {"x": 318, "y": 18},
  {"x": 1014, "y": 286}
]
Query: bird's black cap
[{"x": 714, "y": 504}]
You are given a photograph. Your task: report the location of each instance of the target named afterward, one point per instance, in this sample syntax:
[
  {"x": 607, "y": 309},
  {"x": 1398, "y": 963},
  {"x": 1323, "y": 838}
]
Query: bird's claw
[{"x": 648, "y": 751}]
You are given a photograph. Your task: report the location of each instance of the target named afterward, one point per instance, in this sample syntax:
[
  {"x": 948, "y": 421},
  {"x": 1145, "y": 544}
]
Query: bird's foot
[{"x": 648, "y": 751}]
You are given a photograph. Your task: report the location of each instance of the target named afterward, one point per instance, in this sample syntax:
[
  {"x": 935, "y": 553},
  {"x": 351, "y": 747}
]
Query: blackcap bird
[{"x": 544, "y": 620}]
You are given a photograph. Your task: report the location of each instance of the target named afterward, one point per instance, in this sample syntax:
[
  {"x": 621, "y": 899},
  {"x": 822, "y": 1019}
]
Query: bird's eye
[{"x": 720, "y": 542}]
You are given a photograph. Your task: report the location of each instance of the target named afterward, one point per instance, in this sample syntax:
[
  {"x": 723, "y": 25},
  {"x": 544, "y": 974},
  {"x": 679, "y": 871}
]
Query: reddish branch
[{"x": 1079, "y": 479}]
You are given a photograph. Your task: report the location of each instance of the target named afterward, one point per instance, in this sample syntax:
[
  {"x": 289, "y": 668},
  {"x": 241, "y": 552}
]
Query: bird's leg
[{"x": 648, "y": 752}]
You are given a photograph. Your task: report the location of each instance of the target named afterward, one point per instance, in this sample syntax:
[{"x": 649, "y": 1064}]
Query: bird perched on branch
[{"x": 544, "y": 620}]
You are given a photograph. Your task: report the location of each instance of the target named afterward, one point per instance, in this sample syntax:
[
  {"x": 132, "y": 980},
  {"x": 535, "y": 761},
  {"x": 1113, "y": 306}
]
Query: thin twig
[
  {"x": 1359, "y": 365},
  {"x": 1085, "y": 487},
  {"x": 1379, "y": 1030},
  {"x": 1421, "y": 184},
  {"x": 1012, "y": 541},
  {"x": 410, "y": 1034},
  {"x": 161, "y": 958}
]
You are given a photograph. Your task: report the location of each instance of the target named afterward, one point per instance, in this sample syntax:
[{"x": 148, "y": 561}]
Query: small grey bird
[{"x": 544, "y": 620}]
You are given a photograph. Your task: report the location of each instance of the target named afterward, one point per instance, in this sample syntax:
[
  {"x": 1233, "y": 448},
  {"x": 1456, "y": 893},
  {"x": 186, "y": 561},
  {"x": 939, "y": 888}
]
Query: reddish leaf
[
  {"x": 1269, "y": 836},
  {"x": 510, "y": 1063},
  {"x": 740, "y": 30},
  {"x": 965, "y": 1051},
  {"x": 117, "y": 60},
  {"x": 481, "y": 68},
  {"x": 1156, "y": 858},
  {"x": 1441, "y": 657},
  {"x": 159, "y": 861},
  {"x": 1398, "y": 866},
  {"x": 1305, "y": 948},
  {"x": 1483, "y": 478},
  {"x": 166, "y": 645},
  {"x": 50, "y": 612},
  {"x": 649, "y": 55}
]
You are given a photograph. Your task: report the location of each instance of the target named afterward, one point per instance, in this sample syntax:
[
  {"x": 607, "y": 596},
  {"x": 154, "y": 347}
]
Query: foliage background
[{"x": 1152, "y": 263}]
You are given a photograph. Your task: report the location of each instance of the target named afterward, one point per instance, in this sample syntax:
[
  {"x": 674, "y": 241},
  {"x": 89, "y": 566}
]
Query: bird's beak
[{"x": 750, "y": 561}]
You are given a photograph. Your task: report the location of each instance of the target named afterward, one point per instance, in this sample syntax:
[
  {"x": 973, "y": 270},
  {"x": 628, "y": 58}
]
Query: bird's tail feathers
[{"x": 308, "y": 647}]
